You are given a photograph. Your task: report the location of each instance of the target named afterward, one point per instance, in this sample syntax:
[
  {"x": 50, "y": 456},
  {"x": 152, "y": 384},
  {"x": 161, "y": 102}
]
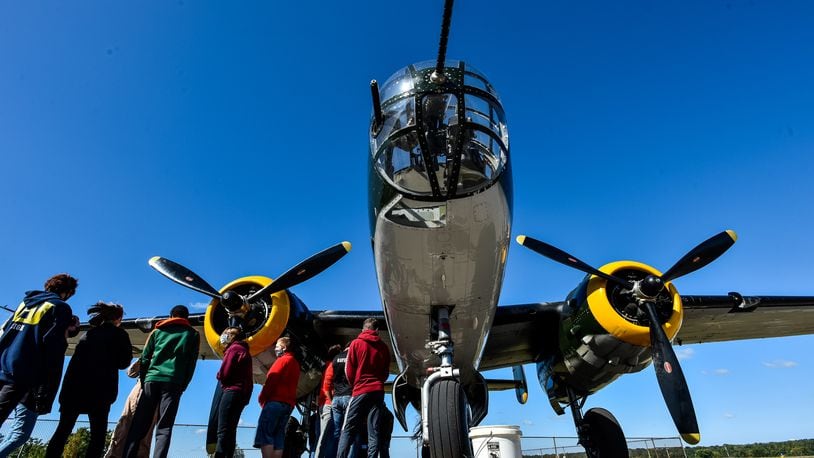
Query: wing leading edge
[{"x": 736, "y": 317}]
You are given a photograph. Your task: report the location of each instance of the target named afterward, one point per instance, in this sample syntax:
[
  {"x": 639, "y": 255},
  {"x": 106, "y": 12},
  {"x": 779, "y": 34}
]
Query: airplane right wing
[{"x": 736, "y": 317}]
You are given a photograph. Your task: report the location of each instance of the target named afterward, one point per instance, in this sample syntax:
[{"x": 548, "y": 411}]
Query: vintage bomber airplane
[{"x": 440, "y": 216}]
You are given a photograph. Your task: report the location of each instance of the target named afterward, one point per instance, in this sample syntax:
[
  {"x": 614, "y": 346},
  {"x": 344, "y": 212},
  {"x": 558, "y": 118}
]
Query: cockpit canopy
[{"x": 439, "y": 140}]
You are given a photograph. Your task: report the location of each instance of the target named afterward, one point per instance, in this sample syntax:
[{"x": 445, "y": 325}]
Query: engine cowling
[
  {"x": 263, "y": 323},
  {"x": 604, "y": 334}
]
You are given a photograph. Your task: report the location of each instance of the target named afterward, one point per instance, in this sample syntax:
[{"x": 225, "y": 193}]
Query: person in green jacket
[{"x": 167, "y": 364}]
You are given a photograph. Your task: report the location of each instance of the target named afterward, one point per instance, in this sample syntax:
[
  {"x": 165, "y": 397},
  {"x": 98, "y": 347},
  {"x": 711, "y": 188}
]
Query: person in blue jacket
[
  {"x": 33, "y": 345},
  {"x": 25, "y": 418}
]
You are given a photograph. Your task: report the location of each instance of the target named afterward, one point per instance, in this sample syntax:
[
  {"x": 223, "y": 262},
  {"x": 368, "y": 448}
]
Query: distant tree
[
  {"x": 34, "y": 448},
  {"x": 77, "y": 445}
]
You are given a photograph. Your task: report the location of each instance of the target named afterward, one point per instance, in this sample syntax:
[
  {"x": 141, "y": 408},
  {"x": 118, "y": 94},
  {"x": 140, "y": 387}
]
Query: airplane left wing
[{"x": 139, "y": 329}]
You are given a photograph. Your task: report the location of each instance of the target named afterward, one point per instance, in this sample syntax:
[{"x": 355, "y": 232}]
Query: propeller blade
[
  {"x": 703, "y": 254},
  {"x": 555, "y": 254},
  {"x": 304, "y": 270},
  {"x": 183, "y": 276},
  {"x": 671, "y": 380}
]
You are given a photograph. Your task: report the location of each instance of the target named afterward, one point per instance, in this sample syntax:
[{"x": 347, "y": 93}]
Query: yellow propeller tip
[
  {"x": 347, "y": 246},
  {"x": 520, "y": 239},
  {"x": 732, "y": 234},
  {"x": 153, "y": 260},
  {"x": 691, "y": 438},
  {"x": 524, "y": 398}
]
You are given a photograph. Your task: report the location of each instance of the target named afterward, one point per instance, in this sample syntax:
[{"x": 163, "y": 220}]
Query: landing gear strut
[
  {"x": 599, "y": 432},
  {"x": 444, "y": 412}
]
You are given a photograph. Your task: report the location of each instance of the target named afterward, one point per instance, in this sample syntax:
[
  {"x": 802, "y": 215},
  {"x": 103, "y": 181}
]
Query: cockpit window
[
  {"x": 481, "y": 160},
  {"x": 439, "y": 140},
  {"x": 400, "y": 83},
  {"x": 473, "y": 78},
  {"x": 484, "y": 112},
  {"x": 396, "y": 116},
  {"x": 402, "y": 162}
]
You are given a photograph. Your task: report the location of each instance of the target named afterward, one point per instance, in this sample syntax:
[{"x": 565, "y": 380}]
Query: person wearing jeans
[
  {"x": 366, "y": 367},
  {"x": 24, "y": 421}
]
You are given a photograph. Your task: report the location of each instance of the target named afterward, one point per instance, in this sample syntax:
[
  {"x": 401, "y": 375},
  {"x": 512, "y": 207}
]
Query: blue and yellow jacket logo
[{"x": 29, "y": 315}]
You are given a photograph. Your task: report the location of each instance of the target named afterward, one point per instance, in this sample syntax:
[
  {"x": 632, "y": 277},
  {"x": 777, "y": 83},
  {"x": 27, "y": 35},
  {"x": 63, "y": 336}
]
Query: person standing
[
  {"x": 366, "y": 367},
  {"x": 337, "y": 383},
  {"x": 33, "y": 344},
  {"x": 382, "y": 420},
  {"x": 119, "y": 437},
  {"x": 326, "y": 445},
  {"x": 25, "y": 417},
  {"x": 167, "y": 364},
  {"x": 235, "y": 383},
  {"x": 91, "y": 382},
  {"x": 277, "y": 400}
]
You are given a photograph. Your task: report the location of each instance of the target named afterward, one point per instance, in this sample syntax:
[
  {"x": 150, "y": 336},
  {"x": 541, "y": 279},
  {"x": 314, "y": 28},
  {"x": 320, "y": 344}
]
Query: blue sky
[{"x": 233, "y": 138}]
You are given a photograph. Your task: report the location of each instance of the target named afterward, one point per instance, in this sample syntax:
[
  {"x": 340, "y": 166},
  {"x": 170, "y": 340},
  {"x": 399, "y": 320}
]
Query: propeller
[
  {"x": 236, "y": 304},
  {"x": 183, "y": 276},
  {"x": 670, "y": 377},
  {"x": 305, "y": 270},
  {"x": 556, "y": 254},
  {"x": 671, "y": 380}
]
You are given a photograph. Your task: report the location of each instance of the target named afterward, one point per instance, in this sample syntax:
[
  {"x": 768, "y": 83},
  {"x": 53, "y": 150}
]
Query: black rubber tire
[
  {"x": 449, "y": 421},
  {"x": 605, "y": 436}
]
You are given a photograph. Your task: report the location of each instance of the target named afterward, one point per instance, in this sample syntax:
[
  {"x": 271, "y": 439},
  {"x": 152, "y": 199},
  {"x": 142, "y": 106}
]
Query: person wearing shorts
[{"x": 277, "y": 399}]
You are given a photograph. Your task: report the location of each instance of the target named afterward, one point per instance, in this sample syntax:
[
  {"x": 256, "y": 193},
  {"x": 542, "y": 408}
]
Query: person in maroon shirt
[
  {"x": 277, "y": 398},
  {"x": 235, "y": 389},
  {"x": 367, "y": 367}
]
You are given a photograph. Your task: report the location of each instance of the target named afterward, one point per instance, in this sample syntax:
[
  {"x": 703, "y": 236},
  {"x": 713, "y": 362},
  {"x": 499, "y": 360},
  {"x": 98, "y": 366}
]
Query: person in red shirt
[
  {"x": 367, "y": 367},
  {"x": 277, "y": 399},
  {"x": 235, "y": 389}
]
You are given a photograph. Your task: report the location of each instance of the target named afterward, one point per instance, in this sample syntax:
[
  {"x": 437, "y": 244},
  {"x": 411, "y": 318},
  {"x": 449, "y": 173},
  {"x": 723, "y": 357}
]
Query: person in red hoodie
[
  {"x": 235, "y": 385},
  {"x": 277, "y": 399},
  {"x": 367, "y": 368}
]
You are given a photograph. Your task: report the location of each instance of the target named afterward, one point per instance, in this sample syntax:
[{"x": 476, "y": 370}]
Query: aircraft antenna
[
  {"x": 377, "y": 104},
  {"x": 438, "y": 74}
]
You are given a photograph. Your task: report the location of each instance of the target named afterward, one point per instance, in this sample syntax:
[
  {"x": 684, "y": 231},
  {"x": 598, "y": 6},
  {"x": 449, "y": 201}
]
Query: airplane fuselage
[{"x": 431, "y": 254}]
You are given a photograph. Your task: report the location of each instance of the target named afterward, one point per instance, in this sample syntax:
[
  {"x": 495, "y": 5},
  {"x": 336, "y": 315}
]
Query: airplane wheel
[
  {"x": 605, "y": 436},
  {"x": 449, "y": 425}
]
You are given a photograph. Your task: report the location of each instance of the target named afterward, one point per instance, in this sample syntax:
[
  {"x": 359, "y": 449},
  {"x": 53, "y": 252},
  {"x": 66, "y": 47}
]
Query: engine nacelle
[
  {"x": 263, "y": 323},
  {"x": 603, "y": 333}
]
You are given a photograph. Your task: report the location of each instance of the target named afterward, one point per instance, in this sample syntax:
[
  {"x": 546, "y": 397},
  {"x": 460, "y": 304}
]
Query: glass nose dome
[{"x": 439, "y": 140}]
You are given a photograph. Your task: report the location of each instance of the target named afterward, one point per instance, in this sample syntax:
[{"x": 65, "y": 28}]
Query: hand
[{"x": 42, "y": 400}]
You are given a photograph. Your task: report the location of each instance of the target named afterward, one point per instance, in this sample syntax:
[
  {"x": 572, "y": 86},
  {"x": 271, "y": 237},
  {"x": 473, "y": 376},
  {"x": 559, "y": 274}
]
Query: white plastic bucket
[{"x": 501, "y": 441}]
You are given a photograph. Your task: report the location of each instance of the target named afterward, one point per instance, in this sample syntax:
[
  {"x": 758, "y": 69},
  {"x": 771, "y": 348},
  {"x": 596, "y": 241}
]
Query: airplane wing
[
  {"x": 139, "y": 329},
  {"x": 513, "y": 339},
  {"x": 521, "y": 333},
  {"x": 736, "y": 317}
]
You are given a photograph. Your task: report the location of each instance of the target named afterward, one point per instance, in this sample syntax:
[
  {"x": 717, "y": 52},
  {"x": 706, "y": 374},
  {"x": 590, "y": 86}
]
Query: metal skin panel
[{"x": 456, "y": 262}]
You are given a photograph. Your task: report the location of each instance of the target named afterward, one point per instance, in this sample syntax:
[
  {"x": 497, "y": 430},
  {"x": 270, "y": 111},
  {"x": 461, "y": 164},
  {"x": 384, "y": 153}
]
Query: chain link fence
[
  {"x": 188, "y": 441},
  {"x": 567, "y": 447}
]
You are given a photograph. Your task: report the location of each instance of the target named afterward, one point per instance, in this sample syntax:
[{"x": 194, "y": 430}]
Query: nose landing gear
[{"x": 444, "y": 407}]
